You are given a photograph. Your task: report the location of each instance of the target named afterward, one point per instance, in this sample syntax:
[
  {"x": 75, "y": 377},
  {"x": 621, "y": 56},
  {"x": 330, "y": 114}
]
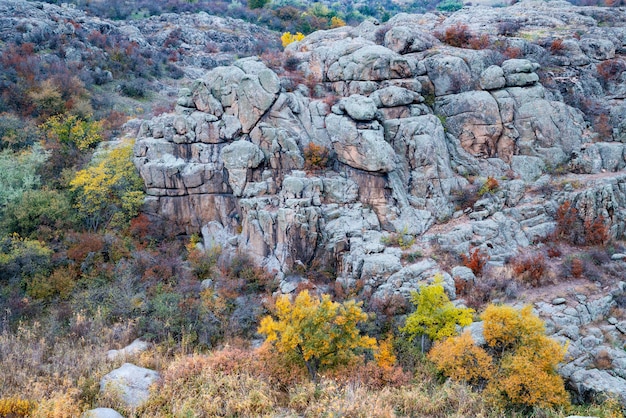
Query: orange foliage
[
  {"x": 596, "y": 231},
  {"x": 460, "y": 359},
  {"x": 530, "y": 268},
  {"x": 556, "y": 47},
  {"x": 85, "y": 244},
  {"x": 578, "y": 268},
  {"x": 457, "y": 35},
  {"x": 316, "y": 157},
  {"x": 475, "y": 260}
]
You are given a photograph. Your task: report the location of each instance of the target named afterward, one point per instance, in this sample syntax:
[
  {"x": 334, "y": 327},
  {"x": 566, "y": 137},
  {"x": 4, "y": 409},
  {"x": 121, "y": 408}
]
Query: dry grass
[
  {"x": 56, "y": 374},
  {"x": 59, "y": 373}
]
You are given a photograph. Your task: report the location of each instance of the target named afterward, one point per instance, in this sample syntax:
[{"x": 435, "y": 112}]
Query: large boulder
[
  {"x": 474, "y": 118},
  {"x": 102, "y": 413},
  {"x": 449, "y": 74},
  {"x": 593, "y": 385},
  {"x": 136, "y": 347},
  {"x": 130, "y": 384},
  {"x": 370, "y": 63},
  {"x": 365, "y": 149}
]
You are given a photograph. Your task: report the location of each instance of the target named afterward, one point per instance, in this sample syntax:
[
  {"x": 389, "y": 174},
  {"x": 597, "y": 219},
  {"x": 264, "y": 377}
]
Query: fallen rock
[
  {"x": 130, "y": 384},
  {"x": 593, "y": 385},
  {"x": 136, "y": 347},
  {"x": 102, "y": 413}
]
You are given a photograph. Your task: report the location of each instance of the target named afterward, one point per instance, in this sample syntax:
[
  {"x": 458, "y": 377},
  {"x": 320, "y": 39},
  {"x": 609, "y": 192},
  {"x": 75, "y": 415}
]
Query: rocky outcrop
[
  {"x": 418, "y": 133},
  {"x": 416, "y": 120}
]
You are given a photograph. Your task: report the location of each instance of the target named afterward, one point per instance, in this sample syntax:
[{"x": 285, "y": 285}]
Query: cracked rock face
[
  {"x": 366, "y": 183},
  {"x": 417, "y": 119}
]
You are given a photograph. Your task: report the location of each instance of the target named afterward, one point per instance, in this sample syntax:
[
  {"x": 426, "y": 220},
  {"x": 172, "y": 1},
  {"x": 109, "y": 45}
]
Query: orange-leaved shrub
[
  {"x": 476, "y": 260},
  {"x": 530, "y": 268},
  {"x": 316, "y": 157},
  {"x": 518, "y": 363},
  {"x": 460, "y": 359}
]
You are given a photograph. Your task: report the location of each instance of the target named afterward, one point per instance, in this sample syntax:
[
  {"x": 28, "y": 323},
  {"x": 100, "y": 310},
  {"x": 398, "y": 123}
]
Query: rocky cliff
[
  {"x": 409, "y": 122},
  {"x": 385, "y": 132}
]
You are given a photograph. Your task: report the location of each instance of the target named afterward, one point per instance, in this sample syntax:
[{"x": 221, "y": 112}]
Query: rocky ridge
[
  {"x": 409, "y": 123},
  {"x": 195, "y": 42}
]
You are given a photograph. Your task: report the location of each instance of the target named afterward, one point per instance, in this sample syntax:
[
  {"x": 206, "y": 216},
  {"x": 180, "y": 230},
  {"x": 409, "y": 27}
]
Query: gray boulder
[
  {"x": 136, "y": 347},
  {"x": 101, "y": 413},
  {"x": 360, "y": 107},
  {"x": 593, "y": 385},
  {"x": 474, "y": 118},
  {"x": 130, "y": 384},
  {"x": 404, "y": 39},
  {"x": 448, "y": 74},
  {"x": 598, "y": 49},
  {"x": 393, "y": 96},
  {"x": 365, "y": 149},
  {"x": 492, "y": 78}
]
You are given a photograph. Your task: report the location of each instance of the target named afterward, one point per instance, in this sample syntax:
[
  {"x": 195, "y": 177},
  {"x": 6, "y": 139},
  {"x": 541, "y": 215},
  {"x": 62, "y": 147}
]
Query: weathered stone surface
[
  {"x": 359, "y": 107},
  {"x": 474, "y": 118},
  {"x": 364, "y": 149},
  {"x": 492, "y": 78},
  {"x": 404, "y": 39},
  {"x": 136, "y": 347},
  {"x": 130, "y": 384},
  {"x": 394, "y": 96},
  {"x": 449, "y": 74},
  {"x": 597, "y": 48},
  {"x": 101, "y": 413},
  {"x": 594, "y": 383}
]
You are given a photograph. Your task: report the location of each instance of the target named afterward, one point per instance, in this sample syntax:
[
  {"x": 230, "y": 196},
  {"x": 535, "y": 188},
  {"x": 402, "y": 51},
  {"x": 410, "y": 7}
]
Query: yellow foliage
[
  {"x": 337, "y": 22},
  {"x": 59, "y": 405},
  {"x": 287, "y": 38},
  {"x": 460, "y": 359},
  {"x": 506, "y": 327},
  {"x": 384, "y": 353},
  {"x": 72, "y": 130},
  {"x": 110, "y": 187},
  {"x": 522, "y": 371},
  {"x": 526, "y": 379},
  {"x": 15, "y": 407},
  {"x": 319, "y": 332},
  {"x": 435, "y": 315}
]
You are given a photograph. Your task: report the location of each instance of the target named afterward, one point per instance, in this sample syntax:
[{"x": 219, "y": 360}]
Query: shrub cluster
[{"x": 518, "y": 368}]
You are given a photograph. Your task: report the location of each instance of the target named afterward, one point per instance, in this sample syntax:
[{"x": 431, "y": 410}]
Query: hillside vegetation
[{"x": 420, "y": 215}]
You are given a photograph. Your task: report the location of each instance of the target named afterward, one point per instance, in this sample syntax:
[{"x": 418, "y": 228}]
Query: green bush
[{"x": 35, "y": 209}]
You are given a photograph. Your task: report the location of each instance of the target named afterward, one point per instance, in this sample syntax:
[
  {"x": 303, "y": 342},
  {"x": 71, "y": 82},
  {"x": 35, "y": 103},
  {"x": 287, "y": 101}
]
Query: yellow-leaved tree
[
  {"x": 314, "y": 331},
  {"x": 73, "y": 131},
  {"x": 527, "y": 375},
  {"x": 287, "y": 38},
  {"x": 109, "y": 191},
  {"x": 518, "y": 365},
  {"x": 435, "y": 316}
]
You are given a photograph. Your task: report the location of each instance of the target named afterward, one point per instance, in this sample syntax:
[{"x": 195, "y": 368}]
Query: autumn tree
[
  {"x": 110, "y": 190},
  {"x": 73, "y": 131},
  {"x": 317, "y": 332},
  {"x": 435, "y": 316},
  {"x": 460, "y": 359},
  {"x": 528, "y": 358},
  {"x": 518, "y": 365}
]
